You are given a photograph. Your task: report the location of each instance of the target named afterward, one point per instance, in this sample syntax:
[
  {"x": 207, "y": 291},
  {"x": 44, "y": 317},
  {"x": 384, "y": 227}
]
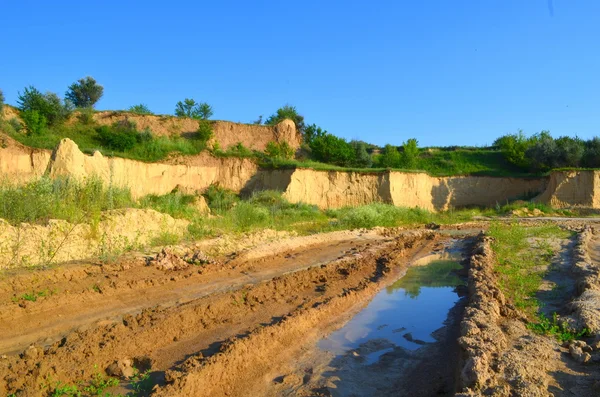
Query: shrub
[
  {"x": 390, "y": 157},
  {"x": 514, "y": 146},
  {"x": 1, "y": 103},
  {"x": 570, "y": 151},
  {"x": 175, "y": 204},
  {"x": 329, "y": 148},
  {"x": 279, "y": 150},
  {"x": 542, "y": 153},
  {"x": 121, "y": 136},
  {"x": 410, "y": 155},
  {"x": 362, "y": 158},
  {"x": 84, "y": 93},
  {"x": 140, "y": 109},
  {"x": 239, "y": 150},
  {"x": 220, "y": 199},
  {"x": 245, "y": 215},
  {"x": 313, "y": 131},
  {"x": 48, "y": 105},
  {"x": 86, "y": 116},
  {"x": 190, "y": 108},
  {"x": 287, "y": 112},
  {"x": 591, "y": 155},
  {"x": 204, "y": 132},
  {"x": 35, "y": 123},
  {"x": 15, "y": 124}
]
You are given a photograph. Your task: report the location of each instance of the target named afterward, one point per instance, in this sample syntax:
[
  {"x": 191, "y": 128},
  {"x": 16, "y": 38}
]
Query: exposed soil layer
[
  {"x": 177, "y": 310},
  {"x": 503, "y": 357}
]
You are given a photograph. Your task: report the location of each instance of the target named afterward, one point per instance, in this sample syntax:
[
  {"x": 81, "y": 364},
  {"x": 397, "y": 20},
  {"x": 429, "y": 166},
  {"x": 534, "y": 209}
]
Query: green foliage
[
  {"x": 410, "y": 156},
  {"x": 141, "y": 384},
  {"x": 362, "y": 159},
  {"x": 33, "y": 296},
  {"x": 15, "y": 124},
  {"x": 591, "y": 154},
  {"x": 379, "y": 214},
  {"x": 559, "y": 329},
  {"x": 86, "y": 116},
  {"x": 390, "y": 157},
  {"x": 1, "y": 103},
  {"x": 47, "y": 105},
  {"x": 190, "y": 108},
  {"x": 140, "y": 109},
  {"x": 237, "y": 150},
  {"x": 330, "y": 149},
  {"x": 84, "y": 93},
  {"x": 204, "y": 132},
  {"x": 514, "y": 146},
  {"x": 279, "y": 150},
  {"x": 121, "y": 136},
  {"x": 35, "y": 123},
  {"x": 220, "y": 199},
  {"x": 175, "y": 204},
  {"x": 287, "y": 112},
  {"x": 313, "y": 131},
  {"x": 61, "y": 198}
]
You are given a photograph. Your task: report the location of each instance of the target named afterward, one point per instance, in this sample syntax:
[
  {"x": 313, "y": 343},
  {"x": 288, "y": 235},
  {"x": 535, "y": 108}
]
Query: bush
[
  {"x": 140, "y": 109},
  {"x": 514, "y": 146},
  {"x": 204, "y": 132},
  {"x": 591, "y": 155},
  {"x": 175, "y": 204},
  {"x": 287, "y": 112},
  {"x": 239, "y": 150},
  {"x": 220, "y": 199},
  {"x": 1, "y": 103},
  {"x": 84, "y": 93},
  {"x": 330, "y": 149},
  {"x": 86, "y": 116},
  {"x": 47, "y": 105},
  {"x": 279, "y": 150},
  {"x": 570, "y": 151},
  {"x": 190, "y": 108},
  {"x": 313, "y": 131},
  {"x": 379, "y": 214},
  {"x": 410, "y": 155},
  {"x": 542, "y": 153},
  {"x": 35, "y": 123},
  {"x": 362, "y": 159},
  {"x": 390, "y": 157},
  {"x": 15, "y": 124},
  {"x": 121, "y": 136}
]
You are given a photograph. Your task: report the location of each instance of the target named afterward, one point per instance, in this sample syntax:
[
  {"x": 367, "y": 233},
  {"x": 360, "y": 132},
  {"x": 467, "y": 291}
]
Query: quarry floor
[{"x": 243, "y": 322}]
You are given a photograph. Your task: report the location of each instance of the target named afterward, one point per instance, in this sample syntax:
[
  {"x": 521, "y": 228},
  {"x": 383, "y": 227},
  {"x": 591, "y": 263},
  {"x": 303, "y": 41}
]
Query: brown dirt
[{"x": 95, "y": 314}]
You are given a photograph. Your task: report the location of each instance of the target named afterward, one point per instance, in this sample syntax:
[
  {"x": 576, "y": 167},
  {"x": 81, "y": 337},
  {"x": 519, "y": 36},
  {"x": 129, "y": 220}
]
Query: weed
[
  {"x": 165, "y": 238},
  {"x": 33, "y": 296},
  {"x": 99, "y": 383},
  {"x": 559, "y": 329},
  {"x": 141, "y": 383}
]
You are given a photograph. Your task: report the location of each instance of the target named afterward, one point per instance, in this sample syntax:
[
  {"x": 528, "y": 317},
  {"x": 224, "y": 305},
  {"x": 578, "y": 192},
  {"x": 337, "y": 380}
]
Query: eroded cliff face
[
  {"x": 226, "y": 133},
  {"x": 20, "y": 164},
  {"x": 572, "y": 189}
]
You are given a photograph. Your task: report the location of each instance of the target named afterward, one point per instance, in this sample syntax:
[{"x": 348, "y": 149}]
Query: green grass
[
  {"x": 523, "y": 262},
  {"x": 33, "y": 296},
  {"x": 559, "y": 329},
  {"x": 62, "y": 198}
]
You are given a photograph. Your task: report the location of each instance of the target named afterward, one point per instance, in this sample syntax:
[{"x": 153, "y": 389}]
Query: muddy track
[{"x": 171, "y": 325}]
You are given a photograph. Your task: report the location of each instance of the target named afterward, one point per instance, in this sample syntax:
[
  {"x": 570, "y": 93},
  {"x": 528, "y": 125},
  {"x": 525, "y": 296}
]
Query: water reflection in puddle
[{"x": 404, "y": 314}]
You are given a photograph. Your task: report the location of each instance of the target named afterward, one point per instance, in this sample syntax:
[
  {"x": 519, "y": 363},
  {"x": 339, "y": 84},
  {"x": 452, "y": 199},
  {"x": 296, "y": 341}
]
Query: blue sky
[{"x": 446, "y": 72}]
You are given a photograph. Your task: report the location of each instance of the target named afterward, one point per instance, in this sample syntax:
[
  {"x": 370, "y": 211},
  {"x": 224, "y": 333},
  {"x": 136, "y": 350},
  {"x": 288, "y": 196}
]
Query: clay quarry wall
[
  {"x": 326, "y": 189},
  {"x": 226, "y": 133}
]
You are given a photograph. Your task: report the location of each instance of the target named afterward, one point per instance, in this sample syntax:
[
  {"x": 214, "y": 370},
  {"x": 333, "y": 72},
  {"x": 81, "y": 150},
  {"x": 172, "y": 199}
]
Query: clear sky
[{"x": 444, "y": 71}]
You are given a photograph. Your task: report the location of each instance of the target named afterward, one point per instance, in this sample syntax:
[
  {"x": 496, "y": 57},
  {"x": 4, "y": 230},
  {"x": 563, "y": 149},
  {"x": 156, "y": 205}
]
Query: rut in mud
[{"x": 211, "y": 341}]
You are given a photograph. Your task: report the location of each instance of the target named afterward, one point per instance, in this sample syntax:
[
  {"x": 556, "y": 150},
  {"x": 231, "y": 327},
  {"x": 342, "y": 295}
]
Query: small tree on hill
[
  {"x": 313, "y": 131},
  {"x": 140, "y": 109},
  {"x": 390, "y": 157},
  {"x": 361, "y": 156},
  {"x": 48, "y": 105},
  {"x": 287, "y": 112},
  {"x": 84, "y": 93},
  {"x": 410, "y": 155},
  {"x": 194, "y": 110}
]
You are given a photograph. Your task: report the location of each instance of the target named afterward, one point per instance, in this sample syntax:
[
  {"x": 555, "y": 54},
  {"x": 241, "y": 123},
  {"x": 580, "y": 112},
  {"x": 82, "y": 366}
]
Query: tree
[
  {"x": 591, "y": 155},
  {"x": 361, "y": 156},
  {"x": 140, "y": 109},
  {"x": 312, "y": 131},
  {"x": 190, "y": 108},
  {"x": 542, "y": 152},
  {"x": 48, "y": 105},
  {"x": 35, "y": 123},
  {"x": 287, "y": 112},
  {"x": 410, "y": 155},
  {"x": 513, "y": 147},
  {"x": 330, "y": 149},
  {"x": 84, "y": 93},
  {"x": 1, "y": 102},
  {"x": 570, "y": 151},
  {"x": 390, "y": 157}
]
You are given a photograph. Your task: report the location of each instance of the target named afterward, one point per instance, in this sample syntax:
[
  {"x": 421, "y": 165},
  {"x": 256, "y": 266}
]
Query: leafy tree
[
  {"x": 591, "y": 154},
  {"x": 514, "y": 146},
  {"x": 328, "y": 148},
  {"x": 410, "y": 155},
  {"x": 35, "y": 123},
  {"x": 47, "y": 105},
  {"x": 362, "y": 158},
  {"x": 140, "y": 109},
  {"x": 542, "y": 152},
  {"x": 390, "y": 157},
  {"x": 1, "y": 102},
  {"x": 287, "y": 112},
  {"x": 194, "y": 110},
  {"x": 84, "y": 93},
  {"x": 570, "y": 151},
  {"x": 312, "y": 131}
]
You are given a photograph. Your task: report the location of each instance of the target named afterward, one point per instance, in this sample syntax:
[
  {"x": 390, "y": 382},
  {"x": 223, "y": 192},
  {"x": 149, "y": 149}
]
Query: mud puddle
[{"x": 405, "y": 314}]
